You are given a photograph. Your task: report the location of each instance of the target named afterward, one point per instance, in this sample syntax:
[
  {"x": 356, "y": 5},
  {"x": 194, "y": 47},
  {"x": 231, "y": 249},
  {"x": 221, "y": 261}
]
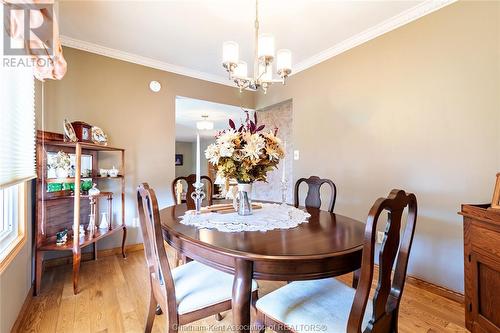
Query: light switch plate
[{"x": 296, "y": 155}]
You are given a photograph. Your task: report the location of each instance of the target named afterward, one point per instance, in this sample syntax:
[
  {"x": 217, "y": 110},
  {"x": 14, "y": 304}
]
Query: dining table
[{"x": 327, "y": 245}]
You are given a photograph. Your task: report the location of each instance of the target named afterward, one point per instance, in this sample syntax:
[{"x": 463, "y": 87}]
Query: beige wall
[
  {"x": 418, "y": 109},
  {"x": 114, "y": 95}
]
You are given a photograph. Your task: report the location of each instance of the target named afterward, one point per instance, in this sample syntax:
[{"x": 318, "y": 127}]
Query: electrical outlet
[
  {"x": 296, "y": 155},
  {"x": 135, "y": 222},
  {"x": 380, "y": 237}
]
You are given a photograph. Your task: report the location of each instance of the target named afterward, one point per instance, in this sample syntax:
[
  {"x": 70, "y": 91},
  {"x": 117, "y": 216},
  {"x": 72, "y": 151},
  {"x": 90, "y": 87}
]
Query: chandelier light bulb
[
  {"x": 266, "y": 46},
  {"x": 283, "y": 60},
  {"x": 241, "y": 71},
  {"x": 230, "y": 52}
]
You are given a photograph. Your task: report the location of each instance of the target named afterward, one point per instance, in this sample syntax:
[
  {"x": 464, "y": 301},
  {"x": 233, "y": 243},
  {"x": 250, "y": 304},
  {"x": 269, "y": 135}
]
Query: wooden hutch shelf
[
  {"x": 50, "y": 243},
  {"x": 66, "y": 210},
  {"x": 101, "y": 195},
  {"x": 72, "y": 179},
  {"x": 84, "y": 145}
]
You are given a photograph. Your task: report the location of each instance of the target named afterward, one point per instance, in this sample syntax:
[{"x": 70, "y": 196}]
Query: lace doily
[{"x": 269, "y": 217}]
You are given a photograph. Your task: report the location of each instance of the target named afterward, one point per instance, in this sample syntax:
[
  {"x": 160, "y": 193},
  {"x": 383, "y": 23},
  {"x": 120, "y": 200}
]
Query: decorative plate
[
  {"x": 69, "y": 131},
  {"x": 98, "y": 136}
]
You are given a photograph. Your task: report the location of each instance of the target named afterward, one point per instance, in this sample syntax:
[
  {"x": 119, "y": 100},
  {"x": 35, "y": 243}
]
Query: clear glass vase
[{"x": 243, "y": 204}]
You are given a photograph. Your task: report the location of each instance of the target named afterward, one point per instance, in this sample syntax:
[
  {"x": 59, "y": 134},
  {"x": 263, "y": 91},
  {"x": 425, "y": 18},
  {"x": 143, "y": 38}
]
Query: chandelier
[
  {"x": 204, "y": 124},
  {"x": 263, "y": 61}
]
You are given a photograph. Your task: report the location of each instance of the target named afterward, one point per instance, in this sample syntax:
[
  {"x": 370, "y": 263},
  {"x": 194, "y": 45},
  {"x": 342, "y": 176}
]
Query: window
[
  {"x": 9, "y": 200},
  {"x": 17, "y": 156},
  {"x": 12, "y": 222}
]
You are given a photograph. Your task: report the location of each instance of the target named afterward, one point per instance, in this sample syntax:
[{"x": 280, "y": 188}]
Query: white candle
[
  {"x": 283, "y": 166},
  {"x": 198, "y": 176}
]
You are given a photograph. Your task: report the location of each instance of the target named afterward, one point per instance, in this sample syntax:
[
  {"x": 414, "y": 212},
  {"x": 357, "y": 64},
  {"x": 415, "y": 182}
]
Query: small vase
[
  {"x": 91, "y": 227},
  {"x": 244, "y": 200},
  {"x": 103, "y": 224}
]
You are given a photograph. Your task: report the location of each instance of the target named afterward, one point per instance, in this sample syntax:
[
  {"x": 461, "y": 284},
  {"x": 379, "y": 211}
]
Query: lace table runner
[{"x": 269, "y": 217}]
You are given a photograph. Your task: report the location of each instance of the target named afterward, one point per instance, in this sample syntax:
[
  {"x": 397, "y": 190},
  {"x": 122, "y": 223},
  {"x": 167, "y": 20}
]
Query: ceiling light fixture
[
  {"x": 263, "y": 59},
  {"x": 204, "y": 124}
]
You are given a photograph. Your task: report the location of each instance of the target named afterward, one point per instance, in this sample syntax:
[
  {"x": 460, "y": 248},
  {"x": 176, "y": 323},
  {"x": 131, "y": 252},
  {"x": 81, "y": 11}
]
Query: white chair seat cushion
[
  {"x": 198, "y": 286},
  {"x": 307, "y": 306}
]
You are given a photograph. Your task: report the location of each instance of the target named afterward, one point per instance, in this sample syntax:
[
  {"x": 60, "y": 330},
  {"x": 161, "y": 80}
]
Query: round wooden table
[{"x": 328, "y": 245}]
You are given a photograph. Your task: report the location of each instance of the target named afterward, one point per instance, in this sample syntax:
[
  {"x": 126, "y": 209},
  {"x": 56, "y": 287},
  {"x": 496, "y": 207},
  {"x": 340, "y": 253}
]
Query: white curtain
[{"x": 17, "y": 125}]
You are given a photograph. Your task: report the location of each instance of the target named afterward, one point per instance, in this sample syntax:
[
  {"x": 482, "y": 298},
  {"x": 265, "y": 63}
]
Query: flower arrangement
[
  {"x": 61, "y": 160},
  {"x": 60, "y": 164},
  {"x": 246, "y": 154}
]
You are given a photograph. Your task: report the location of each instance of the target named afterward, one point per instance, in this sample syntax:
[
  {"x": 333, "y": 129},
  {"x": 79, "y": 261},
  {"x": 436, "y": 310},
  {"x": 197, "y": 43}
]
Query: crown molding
[
  {"x": 140, "y": 60},
  {"x": 390, "y": 24}
]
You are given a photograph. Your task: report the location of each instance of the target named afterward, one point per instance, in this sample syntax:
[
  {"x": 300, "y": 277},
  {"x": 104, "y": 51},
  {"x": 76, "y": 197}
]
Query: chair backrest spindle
[
  {"x": 389, "y": 289},
  {"x": 313, "y": 198}
]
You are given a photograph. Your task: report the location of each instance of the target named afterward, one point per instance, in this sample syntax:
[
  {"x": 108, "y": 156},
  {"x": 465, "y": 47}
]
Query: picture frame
[
  {"x": 179, "y": 159},
  {"x": 495, "y": 202}
]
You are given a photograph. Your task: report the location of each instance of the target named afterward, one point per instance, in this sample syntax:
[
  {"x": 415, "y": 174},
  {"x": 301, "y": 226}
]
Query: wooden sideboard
[{"x": 482, "y": 268}]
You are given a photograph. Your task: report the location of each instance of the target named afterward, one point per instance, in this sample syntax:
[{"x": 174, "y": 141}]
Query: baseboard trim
[
  {"x": 432, "y": 288},
  {"x": 66, "y": 260},
  {"x": 435, "y": 289},
  {"x": 417, "y": 282},
  {"x": 19, "y": 320}
]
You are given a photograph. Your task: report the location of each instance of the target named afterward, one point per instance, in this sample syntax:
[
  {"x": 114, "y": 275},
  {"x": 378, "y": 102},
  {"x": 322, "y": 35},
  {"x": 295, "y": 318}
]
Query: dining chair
[
  {"x": 334, "y": 307},
  {"x": 313, "y": 197},
  {"x": 187, "y": 293},
  {"x": 190, "y": 180}
]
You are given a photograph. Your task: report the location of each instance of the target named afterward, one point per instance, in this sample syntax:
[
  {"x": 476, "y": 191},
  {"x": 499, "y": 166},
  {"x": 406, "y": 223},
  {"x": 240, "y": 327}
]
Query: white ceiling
[
  {"x": 186, "y": 36},
  {"x": 188, "y": 111}
]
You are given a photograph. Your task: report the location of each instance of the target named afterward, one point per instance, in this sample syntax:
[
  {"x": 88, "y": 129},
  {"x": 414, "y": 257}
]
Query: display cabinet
[{"x": 62, "y": 205}]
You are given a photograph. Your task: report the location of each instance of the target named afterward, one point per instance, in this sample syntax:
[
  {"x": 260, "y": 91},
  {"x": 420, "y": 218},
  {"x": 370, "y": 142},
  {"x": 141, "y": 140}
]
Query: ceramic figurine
[
  {"x": 94, "y": 190},
  {"x": 61, "y": 237},
  {"x": 113, "y": 172},
  {"x": 71, "y": 172}
]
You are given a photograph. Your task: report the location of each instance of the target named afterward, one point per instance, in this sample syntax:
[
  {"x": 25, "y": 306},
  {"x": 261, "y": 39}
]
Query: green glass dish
[
  {"x": 54, "y": 187},
  {"x": 86, "y": 185}
]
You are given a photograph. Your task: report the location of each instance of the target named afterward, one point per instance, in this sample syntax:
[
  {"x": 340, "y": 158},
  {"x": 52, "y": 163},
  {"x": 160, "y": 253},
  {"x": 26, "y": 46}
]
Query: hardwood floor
[{"x": 114, "y": 297}]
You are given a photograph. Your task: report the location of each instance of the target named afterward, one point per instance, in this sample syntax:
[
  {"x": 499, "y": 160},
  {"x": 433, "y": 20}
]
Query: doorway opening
[{"x": 193, "y": 116}]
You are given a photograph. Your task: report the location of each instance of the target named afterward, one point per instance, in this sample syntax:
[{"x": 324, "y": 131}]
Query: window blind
[{"x": 17, "y": 125}]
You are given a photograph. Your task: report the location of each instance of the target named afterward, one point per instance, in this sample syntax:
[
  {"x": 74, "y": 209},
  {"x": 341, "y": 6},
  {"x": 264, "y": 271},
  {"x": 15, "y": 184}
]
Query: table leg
[{"x": 242, "y": 294}]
